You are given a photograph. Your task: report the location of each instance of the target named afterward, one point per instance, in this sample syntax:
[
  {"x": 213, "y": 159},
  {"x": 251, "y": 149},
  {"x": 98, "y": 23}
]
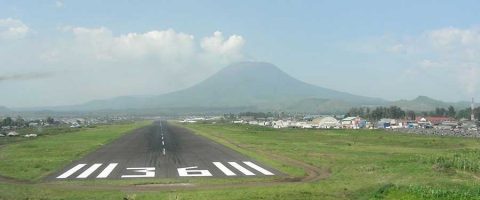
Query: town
[
  {"x": 20, "y": 127},
  {"x": 443, "y": 122}
]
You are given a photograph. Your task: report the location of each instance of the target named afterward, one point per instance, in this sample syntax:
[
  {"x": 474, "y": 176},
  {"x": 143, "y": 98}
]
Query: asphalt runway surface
[{"x": 162, "y": 150}]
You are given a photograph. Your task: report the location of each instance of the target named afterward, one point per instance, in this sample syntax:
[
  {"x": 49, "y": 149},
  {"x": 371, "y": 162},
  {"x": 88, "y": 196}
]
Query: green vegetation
[
  {"x": 465, "y": 160},
  {"x": 360, "y": 164},
  {"x": 366, "y": 164},
  {"x": 40, "y": 131},
  {"x": 31, "y": 160}
]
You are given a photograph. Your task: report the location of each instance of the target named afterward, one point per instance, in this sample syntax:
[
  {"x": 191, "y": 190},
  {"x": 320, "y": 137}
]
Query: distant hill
[
  {"x": 4, "y": 109},
  {"x": 248, "y": 84},
  {"x": 423, "y": 103}
]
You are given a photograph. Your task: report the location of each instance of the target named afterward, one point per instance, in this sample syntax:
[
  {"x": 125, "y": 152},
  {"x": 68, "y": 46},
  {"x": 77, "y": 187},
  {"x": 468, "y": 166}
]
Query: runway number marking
[
  {"x": 192, "y": 171},
  {"x": 149, "y": 172}
]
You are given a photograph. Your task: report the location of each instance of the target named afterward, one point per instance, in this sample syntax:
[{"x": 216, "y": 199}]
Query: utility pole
[{"x": 472, "y": 116}]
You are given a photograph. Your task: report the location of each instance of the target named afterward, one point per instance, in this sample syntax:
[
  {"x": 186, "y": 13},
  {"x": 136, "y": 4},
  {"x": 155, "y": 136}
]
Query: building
[
  {"x": 354, "y": 122},
  {"x": 434, "y": 120},
  {"x": 325, "y": 122},
  {"x": 12, "y": 133}
]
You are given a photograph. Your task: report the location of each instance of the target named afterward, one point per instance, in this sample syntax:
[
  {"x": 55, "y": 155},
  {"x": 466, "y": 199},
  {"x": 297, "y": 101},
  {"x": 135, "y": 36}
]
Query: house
[
  {"x": 386, "y": 123},
  {"x": 33, "y": 124},
  {"x": 435, "y": 120},
  {"x": 30, "y": 135},
  {"x": 280, "y": 124},
  {"x": 353, "y": 122},
  {"x": 12, "y": 133},
  {"x": 325, "y": 122}
]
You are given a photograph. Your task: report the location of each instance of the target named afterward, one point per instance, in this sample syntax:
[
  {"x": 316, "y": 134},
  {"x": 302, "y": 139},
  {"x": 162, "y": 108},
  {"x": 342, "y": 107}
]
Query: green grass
[
  {"x": 465, "y": 160},
  {"x": 33, "y": 159},
  {"x": 364, "y": 164},
  {"x": 40, "y": 131},
  {"x": 362, "y": 161}
]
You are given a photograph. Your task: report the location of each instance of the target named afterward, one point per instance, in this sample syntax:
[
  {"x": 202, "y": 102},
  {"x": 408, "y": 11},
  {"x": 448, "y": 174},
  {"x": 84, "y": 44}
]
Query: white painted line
[
  {"x": 163, "y": 143},
  {"x": 107, "y": 170},
  {"x": 258, "y": 168},
  {"x": 163, "y": 151},
  {"x": 89, "y": 171},
  {"x": 224, "y": 169},
  {"x": 242, "y": 169},
  {"x": 71, "y": 171}
]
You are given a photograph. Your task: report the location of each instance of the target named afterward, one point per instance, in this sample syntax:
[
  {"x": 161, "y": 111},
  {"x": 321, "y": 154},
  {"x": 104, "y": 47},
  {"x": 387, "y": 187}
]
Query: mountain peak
[
  {"x": 259, "y": 85},
  {"x": 254, "y": 69},
  {"x": 424, "y": 99}
]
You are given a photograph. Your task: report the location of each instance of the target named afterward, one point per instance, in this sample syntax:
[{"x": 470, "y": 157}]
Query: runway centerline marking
[{"x": 71, "y": 171}]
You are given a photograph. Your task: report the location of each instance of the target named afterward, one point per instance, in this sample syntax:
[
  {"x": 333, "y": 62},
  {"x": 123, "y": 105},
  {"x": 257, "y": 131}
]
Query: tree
[
  {"x": 19, "y": 121},
  {"x": 50, "y": 120},
  {"x": 7, "y": 121},
  {"x": 411, "y": 115},
  {"x": 451, "y": 112},
  {"x": 440, "y": 112}
]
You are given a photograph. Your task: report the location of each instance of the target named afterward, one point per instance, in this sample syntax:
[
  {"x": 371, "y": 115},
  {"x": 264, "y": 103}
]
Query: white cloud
[
  {"x": 12, "y": 29},
  {"x": 59, "y": 4},
  {"x": 218, "y": 44},
  {"x": 446, "y": 52},
  {"x": 96, "y": 63}
]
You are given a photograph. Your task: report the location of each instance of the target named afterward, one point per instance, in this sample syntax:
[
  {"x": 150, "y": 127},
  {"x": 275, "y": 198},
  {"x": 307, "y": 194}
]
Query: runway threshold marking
[
  {"x": 224, "y": 169},
  {"x": 107, "y": 170},
  {"x": 71, "y": 171},
  {"x": 89, "y": 171},
  {"x": 142, "y": 172},
  {"x": 242, "y": 169},
  {"x": 258, "y": 168}
]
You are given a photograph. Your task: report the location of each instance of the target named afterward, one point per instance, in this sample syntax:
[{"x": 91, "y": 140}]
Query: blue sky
[{"x": 392, "y": 50}]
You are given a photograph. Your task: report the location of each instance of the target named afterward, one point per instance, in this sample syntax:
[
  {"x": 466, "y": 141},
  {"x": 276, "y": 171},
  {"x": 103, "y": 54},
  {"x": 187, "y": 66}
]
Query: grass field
[
  {"x": 362, "y": 164},
  {"x": 367, "y": 164},
  {"x": 35, "y": 158}
]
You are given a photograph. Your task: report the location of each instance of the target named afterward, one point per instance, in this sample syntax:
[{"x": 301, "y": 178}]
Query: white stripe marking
[
  {"x": 258, "y": 168},
  {"x": 107, "y": 170},
  {"x": 163, "y": 151},
  {"x": 163, "y": 143},
  {"x": 242, "y": 169},
  {"x": 71, "y": 171},
  {"x": 90, "y": 170},
  {"x": 224, "y": 169}
]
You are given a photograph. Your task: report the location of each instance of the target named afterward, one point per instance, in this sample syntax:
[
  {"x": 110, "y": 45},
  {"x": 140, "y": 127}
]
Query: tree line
[
  {"x": 396, "y": 112},
  {"x": 19, "y": 121}
]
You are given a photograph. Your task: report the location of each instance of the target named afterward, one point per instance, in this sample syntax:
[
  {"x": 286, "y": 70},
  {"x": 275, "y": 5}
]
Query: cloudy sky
[{"x": 69, "y": 52}]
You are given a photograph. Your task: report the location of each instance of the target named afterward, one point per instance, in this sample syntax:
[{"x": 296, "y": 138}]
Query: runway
[{"x": 162, "y": 150}]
